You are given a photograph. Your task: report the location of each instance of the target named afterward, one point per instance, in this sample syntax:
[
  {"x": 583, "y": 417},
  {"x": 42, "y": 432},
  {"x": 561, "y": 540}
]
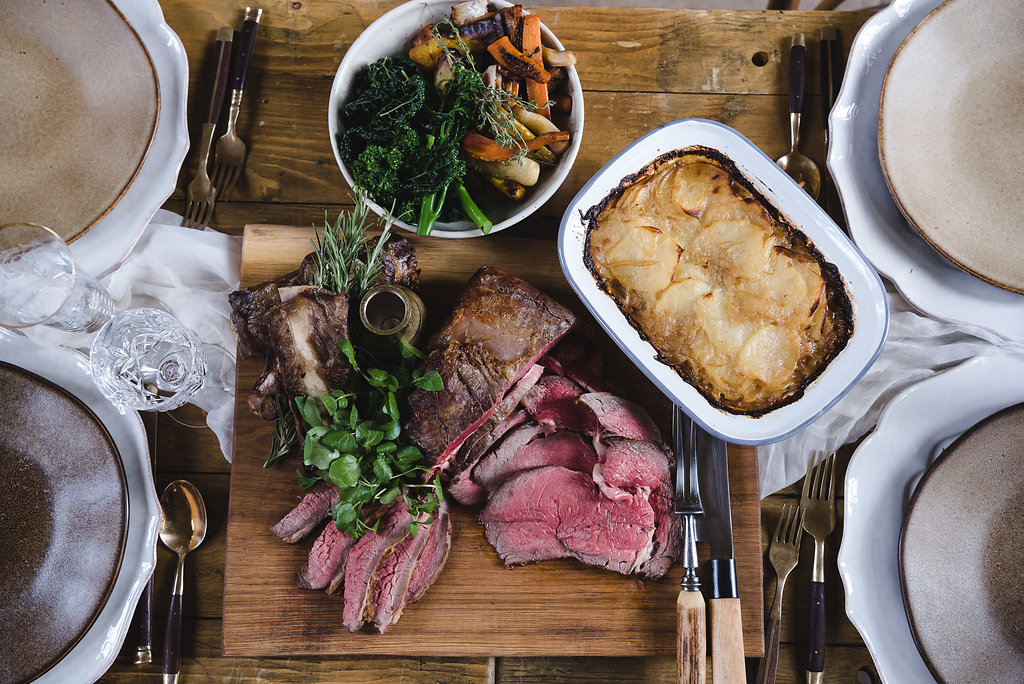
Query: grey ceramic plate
[
  {"x": 961, "y": 565},
  {"x": 948, "y": 135},
  {"x": 63, "y": 516},
  {"x": 79, "y": 111}
]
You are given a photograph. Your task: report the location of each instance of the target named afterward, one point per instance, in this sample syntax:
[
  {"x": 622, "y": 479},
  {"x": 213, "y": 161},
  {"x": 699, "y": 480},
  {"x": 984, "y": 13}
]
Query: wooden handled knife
[{"x": 727, "y": 664}]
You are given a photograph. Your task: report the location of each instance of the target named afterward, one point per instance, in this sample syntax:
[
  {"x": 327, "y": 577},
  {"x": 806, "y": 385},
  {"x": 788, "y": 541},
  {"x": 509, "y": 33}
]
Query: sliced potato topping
[{"x": 725, "y": 293}]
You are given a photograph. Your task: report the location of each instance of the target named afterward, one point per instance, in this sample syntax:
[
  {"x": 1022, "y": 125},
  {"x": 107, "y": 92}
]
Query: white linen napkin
[
  {"x": 190, "y": 273},
  {"x": 917, "y": 347}
]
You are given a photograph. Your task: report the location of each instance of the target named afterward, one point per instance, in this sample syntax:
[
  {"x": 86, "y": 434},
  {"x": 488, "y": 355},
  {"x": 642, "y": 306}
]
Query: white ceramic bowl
[
  {"x": 864, "y": 287},
  {"x": 392, "y": 34}
]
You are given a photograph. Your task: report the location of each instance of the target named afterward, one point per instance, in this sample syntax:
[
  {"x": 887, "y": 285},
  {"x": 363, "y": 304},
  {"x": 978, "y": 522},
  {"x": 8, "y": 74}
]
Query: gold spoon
[
  {"x": 182, "y": 529},
  {"x": 801, "y": 168}
]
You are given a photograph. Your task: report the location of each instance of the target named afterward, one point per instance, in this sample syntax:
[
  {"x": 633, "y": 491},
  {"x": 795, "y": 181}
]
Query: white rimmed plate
[
  {"x": 392, "y": 34},
  {"x": 108, "y": 243},
  {"x": 883, "y": 473},
  {"x": 870, "y": 309},
  {"x": 927, "y": 280},
  {"x": 96, "y": 650}
]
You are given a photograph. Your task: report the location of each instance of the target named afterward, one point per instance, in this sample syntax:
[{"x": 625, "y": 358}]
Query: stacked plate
[
  {"x": 93, "y": 132},
  {"x": 944, "y": 115},
  {"x": 926, "y": 158},
  {"x": 79, "y": 513}
]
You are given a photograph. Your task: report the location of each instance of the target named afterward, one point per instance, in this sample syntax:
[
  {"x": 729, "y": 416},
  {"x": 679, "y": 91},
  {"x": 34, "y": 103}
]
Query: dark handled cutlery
[
  {"x": 800, "y": 167},
  {"x": 142, "y": 622},
  {"x": 818, "y": 501},
  {"x": 727, "y": 664},
  {"x": 691, "y": 654},
  {"x": 230, "y": 156},
  {"x": 202, "y": 193}
]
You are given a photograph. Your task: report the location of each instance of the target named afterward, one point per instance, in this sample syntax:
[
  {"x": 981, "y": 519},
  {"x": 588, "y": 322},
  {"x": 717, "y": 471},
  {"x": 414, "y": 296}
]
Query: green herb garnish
[
  {"x": 353, "y": 439},
  {"x": 344, "y": 258},
  {"x": 285, "y": 436}
]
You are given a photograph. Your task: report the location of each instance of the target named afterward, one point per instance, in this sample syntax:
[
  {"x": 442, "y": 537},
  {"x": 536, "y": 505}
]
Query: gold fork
[
  {"x": 783, "y": 553},
  {"x": 818, "y": 501},
  {"x": 227, "y": 164},
  {"x": 201, "y": 192}
]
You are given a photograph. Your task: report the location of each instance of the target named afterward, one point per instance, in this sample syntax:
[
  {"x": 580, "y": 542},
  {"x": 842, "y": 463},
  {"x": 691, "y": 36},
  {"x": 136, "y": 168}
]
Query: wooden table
[{"x": 639, "y": 68}]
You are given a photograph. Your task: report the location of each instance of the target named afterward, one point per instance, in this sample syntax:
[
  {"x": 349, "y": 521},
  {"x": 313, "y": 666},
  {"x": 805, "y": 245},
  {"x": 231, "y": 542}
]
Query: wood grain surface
[
  {"x": 531, "y": 610},
  {"x": 639, "y": 68}
]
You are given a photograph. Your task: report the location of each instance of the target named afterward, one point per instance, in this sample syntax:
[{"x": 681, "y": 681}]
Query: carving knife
[{"x": 727, "y": 664}]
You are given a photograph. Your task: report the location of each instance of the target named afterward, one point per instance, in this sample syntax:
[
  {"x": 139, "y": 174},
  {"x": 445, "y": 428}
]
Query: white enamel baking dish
[{"x": 864, "y": 287}]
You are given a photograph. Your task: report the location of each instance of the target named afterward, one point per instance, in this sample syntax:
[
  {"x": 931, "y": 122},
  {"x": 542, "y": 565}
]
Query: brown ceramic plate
[
  {"x": 949, "y": 135},
  {"x": 961, "y": 566},
  {"x": 63, "y": 519},
  {"x": 79, "y": 110}
]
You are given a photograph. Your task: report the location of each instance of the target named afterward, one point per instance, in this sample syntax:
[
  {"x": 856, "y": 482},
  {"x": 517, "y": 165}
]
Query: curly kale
[{"x": 402, "y": 141}]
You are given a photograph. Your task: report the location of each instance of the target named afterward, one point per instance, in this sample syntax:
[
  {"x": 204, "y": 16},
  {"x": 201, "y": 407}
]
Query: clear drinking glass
[
  {"x": 39, "y": 283},
  {"x": 145, "y": 359}
]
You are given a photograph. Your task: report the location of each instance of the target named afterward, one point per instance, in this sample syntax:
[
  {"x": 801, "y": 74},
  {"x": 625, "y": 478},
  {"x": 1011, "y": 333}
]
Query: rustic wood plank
[
  {"x": 290, "y": 158},
  {"x": 841, "y": 665},
  {"x": 202, "y": 662},
  {"x": 626, "y": 50},
  {"x": 537, "y": 606}
]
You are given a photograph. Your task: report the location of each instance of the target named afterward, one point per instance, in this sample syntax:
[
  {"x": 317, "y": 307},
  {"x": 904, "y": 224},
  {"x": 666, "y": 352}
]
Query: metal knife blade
[{"x": 727, "y": 664}]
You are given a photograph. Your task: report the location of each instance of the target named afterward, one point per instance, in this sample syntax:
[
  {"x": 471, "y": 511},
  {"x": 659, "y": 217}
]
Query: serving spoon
[
  {"x": 182, "y": 529},
  {"x": 800, "y": 168}
]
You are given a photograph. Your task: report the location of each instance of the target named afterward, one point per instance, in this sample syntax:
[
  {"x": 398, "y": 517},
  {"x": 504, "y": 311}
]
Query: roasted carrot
[
  {"x": 552, "y": 138},
  {"x": 506, "y": 55},
  {"x": 483, "y": 148},
  {"x": 535, "y": 91}
]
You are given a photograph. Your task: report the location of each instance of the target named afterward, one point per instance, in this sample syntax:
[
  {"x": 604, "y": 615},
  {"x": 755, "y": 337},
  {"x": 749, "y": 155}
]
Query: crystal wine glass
[
  {"x": 145, "y": 359},
  {"x": 40, "y": 284}
]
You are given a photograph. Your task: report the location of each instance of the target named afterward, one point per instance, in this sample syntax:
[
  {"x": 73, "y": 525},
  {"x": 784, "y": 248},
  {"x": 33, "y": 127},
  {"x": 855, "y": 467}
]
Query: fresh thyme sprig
[
  {"x": 338, "y": 247},
  {"x": 493, "y": 105}
]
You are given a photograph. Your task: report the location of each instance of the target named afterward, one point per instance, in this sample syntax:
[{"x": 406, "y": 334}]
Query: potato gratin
[{"x": 734, "y": 298}]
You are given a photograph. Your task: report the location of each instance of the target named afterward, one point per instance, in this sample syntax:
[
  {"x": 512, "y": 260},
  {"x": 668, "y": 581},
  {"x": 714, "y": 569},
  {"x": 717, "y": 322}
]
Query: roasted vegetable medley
[{"x": 467, "y": 112}]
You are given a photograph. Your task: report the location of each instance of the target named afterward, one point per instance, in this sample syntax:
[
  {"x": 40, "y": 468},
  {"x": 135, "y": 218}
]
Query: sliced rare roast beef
[
  {"x": 620, "y": 417},
  {"x": 314, "y": 507},
  {"x": 629, "y": 464},
  {"x": 505, "y": 416},
  {"x": 553, "y": 403},
  {"x": 326, "y": 558},
  {"x": 575, "y": 358},
  {"x": 395, "y": 572},
  {"x": 553, "y": 512},
  {"x": 562, "y": 448},
  {"x": 498, "y": 330},
  {"x": 363, "y": 560},
  {"x": 433, "y": 558},
  {"x": 304, "y": 336}
]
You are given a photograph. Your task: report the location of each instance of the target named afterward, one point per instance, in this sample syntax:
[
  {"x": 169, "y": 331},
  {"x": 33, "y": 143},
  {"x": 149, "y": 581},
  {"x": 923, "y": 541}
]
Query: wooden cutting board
[{"x": 477, "y": 607}]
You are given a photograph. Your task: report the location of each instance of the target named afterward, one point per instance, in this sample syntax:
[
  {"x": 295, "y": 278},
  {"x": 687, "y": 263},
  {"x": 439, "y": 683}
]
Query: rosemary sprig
[
  {"x": 286, "y": 437},
  {"x": 337, "y": 249}
]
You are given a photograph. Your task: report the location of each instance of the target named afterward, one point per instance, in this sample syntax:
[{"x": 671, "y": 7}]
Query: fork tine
[
  {"x": 798, "y": 526},
  {"x": 831, "y": 476},
  {"x": 218, "y": 175},
  {"x": 778, "y": 525},
  {"x": 805, "y": 491},
  {"x": 232, "y": 179},
  {"x": 816, "y": 485}
]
